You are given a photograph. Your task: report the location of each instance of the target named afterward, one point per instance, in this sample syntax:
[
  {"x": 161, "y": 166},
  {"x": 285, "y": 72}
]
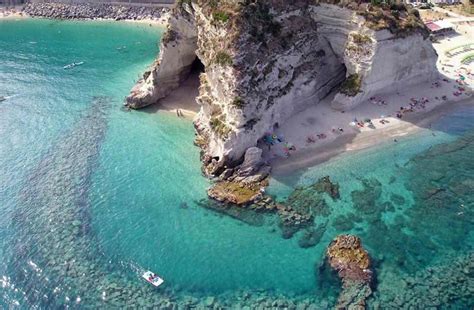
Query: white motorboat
[
  {"x": 153, "y": 278},
  {"x": 74, "y": 64}
]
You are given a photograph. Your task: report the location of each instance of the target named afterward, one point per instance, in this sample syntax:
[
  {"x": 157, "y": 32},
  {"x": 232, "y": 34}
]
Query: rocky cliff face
[{"x": 267, "y": 60}]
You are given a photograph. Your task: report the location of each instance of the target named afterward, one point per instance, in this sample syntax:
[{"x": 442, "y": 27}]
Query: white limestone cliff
[
  {"x": 274, "y": 60},
  {"x": 177, "y": 53}
]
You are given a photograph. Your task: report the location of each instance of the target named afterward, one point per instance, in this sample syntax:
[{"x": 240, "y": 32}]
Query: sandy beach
[
  {"x": 316, "y": 154},
  {"x": 16, "y": 12},
  {"x": 182, "y": 99},
  {"x": 12, "y": 12},
  {"x": 320, "y": 132}
]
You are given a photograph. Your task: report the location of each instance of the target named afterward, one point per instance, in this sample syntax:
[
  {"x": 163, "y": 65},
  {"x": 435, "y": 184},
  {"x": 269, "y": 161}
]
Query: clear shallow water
[{"x": 91, "y": 195}]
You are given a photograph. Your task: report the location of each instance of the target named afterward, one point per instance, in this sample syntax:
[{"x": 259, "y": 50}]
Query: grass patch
[
  {"x": 219, "y": 127},
  {"x": 360, "y": 38},
  {"x": 351, "y": 86},
  {"x": 220, "y": 16},
  {"x": 233, "y": 192},
  {"x": 224, "y": 59},
  {"x": 238, "y": 102},
  {"x": 468, "y": 59}
]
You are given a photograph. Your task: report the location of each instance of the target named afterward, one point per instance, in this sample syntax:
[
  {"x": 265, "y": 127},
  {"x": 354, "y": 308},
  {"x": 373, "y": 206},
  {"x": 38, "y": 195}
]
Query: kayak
[{"x": 153, "y": 278}]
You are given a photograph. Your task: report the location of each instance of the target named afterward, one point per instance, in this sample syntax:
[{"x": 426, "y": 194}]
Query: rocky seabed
[{"x": 93, "y": 11}]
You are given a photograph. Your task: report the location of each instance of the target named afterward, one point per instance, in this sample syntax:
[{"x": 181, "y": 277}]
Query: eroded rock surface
[
  {"x": 352, "y": 263},
  {"x": 267, "y": 60}
]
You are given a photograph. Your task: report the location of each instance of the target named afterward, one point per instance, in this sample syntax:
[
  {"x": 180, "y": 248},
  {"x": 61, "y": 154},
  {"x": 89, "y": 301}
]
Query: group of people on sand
[
  {"x": 179, "y": 113},
  {"x": 377, "y": 101},
  {"x": 361, "y": 124},
  {"x": 322, "y": 136},
  {"x": 415, "y": 104},
  {"x": 313, "y": 139},
  {"x": 271, "y": 139}
]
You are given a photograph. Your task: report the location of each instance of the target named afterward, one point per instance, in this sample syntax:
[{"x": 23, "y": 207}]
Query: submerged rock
[
  {"x": 366, "y": 200},
  {"x": 324, "y": 185},
  {"x": 312, "y": 236}
]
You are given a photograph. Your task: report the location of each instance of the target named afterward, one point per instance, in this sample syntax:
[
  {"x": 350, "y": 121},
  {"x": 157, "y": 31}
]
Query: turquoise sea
[{"x": 92, "y": 195}]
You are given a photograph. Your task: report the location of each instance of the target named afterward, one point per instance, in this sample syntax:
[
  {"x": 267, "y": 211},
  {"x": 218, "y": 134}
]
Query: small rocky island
[
  {"x": 267, "y": 60},
  {"x": 352, "y": 263}
]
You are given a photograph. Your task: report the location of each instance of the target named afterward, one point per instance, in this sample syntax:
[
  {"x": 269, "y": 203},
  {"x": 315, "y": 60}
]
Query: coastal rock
[
  {"x": 311, "y": 237},
  {"x": 252, "y": 161},
  {"x": 177, "y": 54},
  {"x": 267, "y": 60},
  {"x": 449, "y": 282},
  {"x": 93, "y": 11},
  {"x": 234, "y": 192},
  {"x": 352, "y": 263}
]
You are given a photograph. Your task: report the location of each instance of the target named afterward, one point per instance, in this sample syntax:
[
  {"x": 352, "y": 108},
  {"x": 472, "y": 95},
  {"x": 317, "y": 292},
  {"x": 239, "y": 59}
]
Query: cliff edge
[{"x": 267, "y": 60}]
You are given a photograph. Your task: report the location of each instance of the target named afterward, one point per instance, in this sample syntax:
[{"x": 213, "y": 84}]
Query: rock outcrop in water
[
  {"x": 267, "y": 60},
  {"x": 352, "y": 263}
]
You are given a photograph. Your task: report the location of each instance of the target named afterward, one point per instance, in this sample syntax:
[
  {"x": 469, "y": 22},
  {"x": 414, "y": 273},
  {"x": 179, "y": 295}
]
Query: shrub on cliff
[
  {"x": 351, "y": 86},
  {"x": 181, "y": 2},
  {"x": 169, "y": 36},
  {"x": 395, "y": 18},
  {"x": 238, "y": 102},
  {"x": 258, "y": 17},
  {"x": 219, "y": 127},
  {"x": 360, "y": 38},
  {"x": 223, "y": 58},
  {"x": 220, "y": 16}
]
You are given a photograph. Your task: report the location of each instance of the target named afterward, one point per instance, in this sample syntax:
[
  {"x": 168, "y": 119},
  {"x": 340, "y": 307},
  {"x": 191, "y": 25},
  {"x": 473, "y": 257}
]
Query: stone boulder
[
  {"x": 252, "y": 161},
  {"x": 352, "y": 263}
]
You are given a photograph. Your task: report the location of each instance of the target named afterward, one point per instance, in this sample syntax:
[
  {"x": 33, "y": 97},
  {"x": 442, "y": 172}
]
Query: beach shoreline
[
  {"x": 350, "y": 142},
  {"x": 319, "y": 133},
  {"x": 18, "y": 13},
  {"x": 321, "y": 119}
]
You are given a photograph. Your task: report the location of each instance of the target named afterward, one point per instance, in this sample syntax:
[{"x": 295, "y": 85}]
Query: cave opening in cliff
[
  {"x": 197, "y": 67},
  {"x": 183, "y": 98}
]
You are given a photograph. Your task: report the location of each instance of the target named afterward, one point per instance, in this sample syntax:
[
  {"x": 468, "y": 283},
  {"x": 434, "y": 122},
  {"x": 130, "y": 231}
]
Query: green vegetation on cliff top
[{"x": 399, "y": 19}]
